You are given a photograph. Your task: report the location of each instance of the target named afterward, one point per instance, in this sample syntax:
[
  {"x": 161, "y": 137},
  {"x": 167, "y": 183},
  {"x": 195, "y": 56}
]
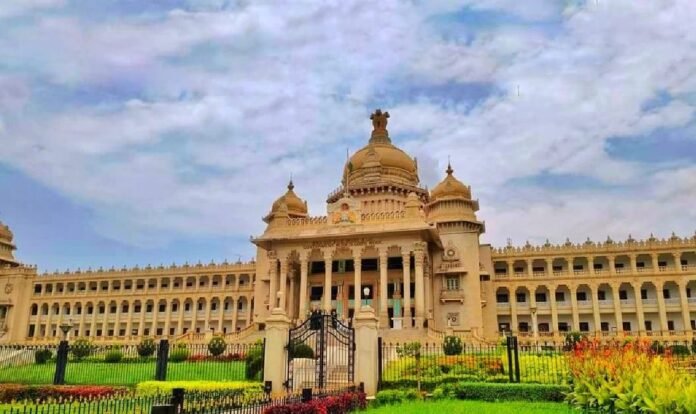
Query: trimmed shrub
[
  {"x": 38, "y": 394},
  {"x": 340, "y": 404},
  {"x": 217, "y": 346},
  {"x": 81, "y": 348},
  {"x": 233, "y": 387},
  {"x": 452, "y": 345},
  {"x": 302, "y": 351},
  {"x": 503, "y": 392},
  {"x": 679, "y": 349},
  {"x": 146, "y": 347},
  {"x": 254, "y": 362},
  {"x": 178, "y": 355},
  {"x": 397, "y": 396},
  {"x": 113, "y": 356},
  {"x": 41, "y": 356}
]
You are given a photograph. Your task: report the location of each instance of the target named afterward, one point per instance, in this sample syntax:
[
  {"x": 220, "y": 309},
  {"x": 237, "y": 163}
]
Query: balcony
[
  {"x": 606, "y": 304},
  {"x": 584, "y": 304},
  {"x": 503, "y": 305},
  {"x": 447, "y": 295}
]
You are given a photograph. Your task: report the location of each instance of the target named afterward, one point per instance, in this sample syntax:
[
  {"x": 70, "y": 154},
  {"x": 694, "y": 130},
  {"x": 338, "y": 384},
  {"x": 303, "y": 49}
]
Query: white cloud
[
  {"x": 228, "y": 102},
  {"x": 13, "y": 8}
]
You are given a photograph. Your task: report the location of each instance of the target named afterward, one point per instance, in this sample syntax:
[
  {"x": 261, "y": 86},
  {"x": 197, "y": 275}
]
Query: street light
[
  {"x": 366, "y": 293},
  {"x": 66, "y": 327}
]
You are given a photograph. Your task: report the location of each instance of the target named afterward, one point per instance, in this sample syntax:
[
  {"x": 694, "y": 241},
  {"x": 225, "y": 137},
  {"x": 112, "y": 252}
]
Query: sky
[{"x": 147, "y": 132}]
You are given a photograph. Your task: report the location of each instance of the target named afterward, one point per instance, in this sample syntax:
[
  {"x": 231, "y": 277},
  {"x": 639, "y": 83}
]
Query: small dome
[
  {"x": 5, "y": 233},
  {"x": 450, "y": 187},
  {"x": 295, "y": 205}
]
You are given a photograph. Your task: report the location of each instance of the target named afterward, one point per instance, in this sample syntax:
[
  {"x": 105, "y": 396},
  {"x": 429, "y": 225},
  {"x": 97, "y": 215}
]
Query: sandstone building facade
[{"x": 412, "y": 254}]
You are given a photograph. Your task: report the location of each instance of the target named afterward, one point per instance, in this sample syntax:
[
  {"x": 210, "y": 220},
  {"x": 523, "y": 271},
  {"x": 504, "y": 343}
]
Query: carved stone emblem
[{"x": 8, "y": 288}]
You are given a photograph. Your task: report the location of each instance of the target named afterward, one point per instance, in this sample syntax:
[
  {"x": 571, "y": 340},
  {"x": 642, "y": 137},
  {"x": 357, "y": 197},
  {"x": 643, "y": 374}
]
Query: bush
[
  {"x": 503, "y": 392},
  {"x": 38, "y": 394},
  {"x": 41, "y": 356},
  {"x": 178, "y": 355},
  {"x": 657, "y": 347},
  {"x": 679, "y": 349},
  {"x": 146, "y": 347},
  {"x": 113, "y": 356},
  {"x": 572, "y": 339},
  {"x": 396, "y": 396},
  {"x": 234, "y": 387},
  {"x": 341, "y": 404},
  {"x": 254, "y": 362},
  {"x": 217, "y": 346},
  {"x": 301, "y": 351},
  {"x": 452, "y": 345},
  {"x": 81, "y": 348}
]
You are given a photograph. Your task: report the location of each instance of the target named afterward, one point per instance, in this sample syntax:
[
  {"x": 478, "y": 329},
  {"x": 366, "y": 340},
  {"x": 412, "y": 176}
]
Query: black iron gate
[{"x": 321, "y": 354}]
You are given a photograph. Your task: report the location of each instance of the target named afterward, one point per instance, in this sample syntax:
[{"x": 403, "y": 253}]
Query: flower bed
[{"x": 629, "y": 377}]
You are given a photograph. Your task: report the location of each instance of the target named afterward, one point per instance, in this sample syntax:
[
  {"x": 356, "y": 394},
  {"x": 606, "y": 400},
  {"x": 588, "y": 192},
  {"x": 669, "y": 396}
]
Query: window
[
  {"x": 124, "y": 309},
  {"x": 581, "y": 296},
  {"x": 452, "y": 283},
  {"x": 557, "y": 268},
  {"x": 136, "y": 308},
  {"x": 662, "y": 264},
  {"x": 537, "y": 269},
  {"x": 121, "y": 332},
  {"x": 604, "y": 326},
  {"x": 200, "y": 306},
  {"x": 544, "y": 327},
  {"x": 175, "y": 307},
  {"x": 623, "y": 295},
  {"x": 112, "y": 310},
  {"x": 172, "y": 331},
  {"x": 563, "y": 327},
  {"x": 626, "y": 326},
  {"x": 148, "y": 307},
  {"x": 519, "y": 269},
  {"x": 102, "y": 308},
  {"x": 584, "y": 327},
  {"x": 334, "y": 292},
  {"x": 187, "y": 307},
  {"x": 502, "y": 298},
  {"x": 670, "y": 325},
  {"x": 99, "y": 332},
  {"x": 601, "y": 295},
  {"x": 540, "y": 297},
  {"x": 665, "y": 293},
  {"x": 240, "y": 305},
  {"x": 577, "y": 267},
  {"x": 618, "y": 266},
  {"x": 521, "y": 298},
  {"x": 371, "y": 264},
  {"x": 90, "y": 310},
  {"x": 159, "y": 331},
  {"x": 500, "y": 271},
  {"x": 37, "y": 288},
  {"x": 316, "y": 268},
  {"x": 643, "y": 294},
  {"x": 524, "y": 327},
  {"x": 598, "y": 266},
  {"x": 32, "y": 329},
  {"x": 503, "y": 327},
  {"x": 110, "y": 332},
  {"x": 560, "y": 296},
  {"x": 316, "y": 292},
  {"x": 693, "y": 324},
  {"x": 648, "y": 325},
  {"x": 640, "y": 265},
  {"x": 163, "y": 307}
]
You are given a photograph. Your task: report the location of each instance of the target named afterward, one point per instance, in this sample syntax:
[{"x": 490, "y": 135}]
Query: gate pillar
[
  {"x": 275, "y": 356},
  {"x": 366, "y": 349}
]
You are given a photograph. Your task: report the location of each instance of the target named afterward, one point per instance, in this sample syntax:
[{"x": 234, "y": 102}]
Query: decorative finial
[
  {"x": 449, "y": 169},
  {"x": 291, "y": 186},
  {"x": 379, "y": 125}
]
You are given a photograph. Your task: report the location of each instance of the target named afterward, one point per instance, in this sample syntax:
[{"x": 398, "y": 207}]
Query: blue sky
[{"x": 155, "y": 132}]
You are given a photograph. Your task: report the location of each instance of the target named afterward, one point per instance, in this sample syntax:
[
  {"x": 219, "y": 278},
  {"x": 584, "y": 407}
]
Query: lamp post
[
  {"x": 366, "y": 293},
  {"x": 66, "y": 327}
]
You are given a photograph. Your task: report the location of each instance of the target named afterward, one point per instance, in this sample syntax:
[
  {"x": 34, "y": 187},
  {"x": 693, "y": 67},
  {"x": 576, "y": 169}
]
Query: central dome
[{"x": 380, "y": 161}]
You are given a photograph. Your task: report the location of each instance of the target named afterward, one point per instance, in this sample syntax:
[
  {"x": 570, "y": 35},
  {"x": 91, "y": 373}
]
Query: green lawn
[
  {"x": 127, "y": 373},
  {"x": 473, "y": 407}
]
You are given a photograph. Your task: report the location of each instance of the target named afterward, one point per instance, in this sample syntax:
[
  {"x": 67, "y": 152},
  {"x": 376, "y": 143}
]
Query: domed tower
[
  {"x": 380, "y": 174},
  {"x": 289, "y": 205},
  {"x": 457, "y": 269},
  {"x": 6, "y": 247}
]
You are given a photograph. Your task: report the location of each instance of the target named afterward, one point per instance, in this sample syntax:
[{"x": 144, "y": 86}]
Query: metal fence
[
  {"x": 178, "y": 402},
  {"x": 427, "y": 365},
  {"x": 87, "y": 364}
]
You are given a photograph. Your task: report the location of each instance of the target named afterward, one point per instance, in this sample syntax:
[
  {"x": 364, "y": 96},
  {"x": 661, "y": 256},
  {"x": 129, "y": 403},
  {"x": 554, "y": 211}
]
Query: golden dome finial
[
  {"x": 291, "y": 186},
  {"x": 449, "y": 169},
  {"x": 379, "y": 125}
]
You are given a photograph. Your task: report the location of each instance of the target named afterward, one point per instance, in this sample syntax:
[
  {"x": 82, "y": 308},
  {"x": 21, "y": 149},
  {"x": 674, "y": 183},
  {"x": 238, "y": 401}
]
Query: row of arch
[
  {"x": 663, "y": 261},
  {"x": 236, "y": 282}
]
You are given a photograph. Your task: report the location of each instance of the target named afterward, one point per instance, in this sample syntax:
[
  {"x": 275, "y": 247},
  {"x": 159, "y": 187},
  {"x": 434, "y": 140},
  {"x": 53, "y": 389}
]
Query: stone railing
[
  {"x": 383, "y": 216},
  {"x": 308, "y": 221}
]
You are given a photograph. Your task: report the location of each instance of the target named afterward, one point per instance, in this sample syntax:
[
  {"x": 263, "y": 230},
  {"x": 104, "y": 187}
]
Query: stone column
[
  {"x": 141, "y": 322},
  {"x": 283, "y": 281},
  {"x": 511, "y": 267},
  {"x": 328, "y": 261},
  {"x": 194, "y": 316},
  {"x": 383, "y": 300},
  {"x": 273, "y": 285},
  {"x": 514, "y": 324},
  {"x": 677, "y": 262},
  {"x": 533, "y": 311},
  {"x": 249, "y": 311},
  {"x": 554, "y": 309},
  {"x": 639, "y": 301},
  {"x": 304, "y": 265},
  {"x": 235, "y": 313},
  {"x": 530, "y": 267},
  {"x": 659, "y": 286},
  {"x": 357, "y": 280},
  {"x": 221, "y": 311},
  {"x": 180, "y": 323},
  {"x": 208, "y": 307},
  {"x": 406, "y": 258},
  {"x": 419, "y": 253},
  {"x": 366, "y": 352},
  {"x": 276, "y": 357},
  {"x": 595, "y": 308},
  {"x": 684, "y": 300},
  {"x": 615, "y": 287},
  {"x": 549, "y": 267},
  {"x": 590, "y": 264},
  {"x": 612, "y": 264},
  {"x": 291, "y": 297},
  {"x": 634, "y": 266},
  {"x": 574, "y": 307},
  {"x": 117, "y": 318}
]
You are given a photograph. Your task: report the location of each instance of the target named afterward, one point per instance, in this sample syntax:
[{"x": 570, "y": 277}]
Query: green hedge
[
  {"x": 502, "y": 392},
  {"x": 386, "y": 397},
  {"x": 166, "y": 387},
  {"x": 429, "y": 384}
]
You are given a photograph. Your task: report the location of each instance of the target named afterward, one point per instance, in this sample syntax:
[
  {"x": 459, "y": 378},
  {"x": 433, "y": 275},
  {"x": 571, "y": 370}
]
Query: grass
[
  {"x": 125, "y": 373},
  {"x": 470, "y": 407}
]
